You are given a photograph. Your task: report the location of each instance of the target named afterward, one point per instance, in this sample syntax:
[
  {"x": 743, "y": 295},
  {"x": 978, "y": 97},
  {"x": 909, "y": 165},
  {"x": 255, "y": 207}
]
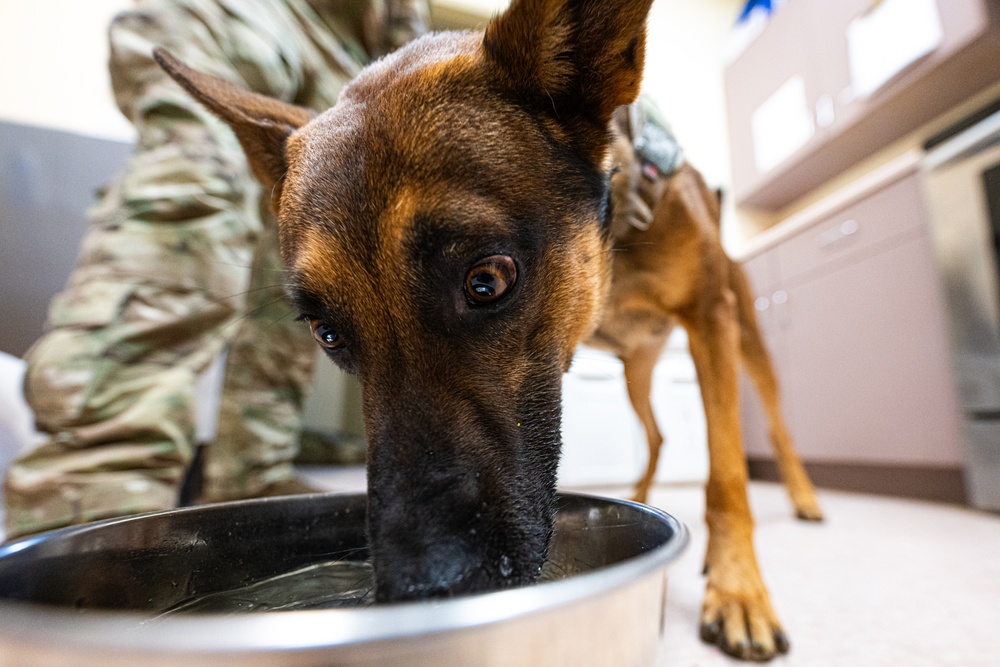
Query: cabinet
[
  {"x": 804, "y": 51},
  {"x": 850, "y": 307},
  {"x": 604, "y": 442}
]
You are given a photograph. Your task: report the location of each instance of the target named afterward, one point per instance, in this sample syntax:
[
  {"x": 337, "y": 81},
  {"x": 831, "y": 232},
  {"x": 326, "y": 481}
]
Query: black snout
[
  {"x": 435, "y": 539},
  {"x": 450, "y": 567},
  {"x": 462, "y": 502}
]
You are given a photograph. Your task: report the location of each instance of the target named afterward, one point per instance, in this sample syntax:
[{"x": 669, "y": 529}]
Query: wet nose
[{"x": 444, "y": 568}]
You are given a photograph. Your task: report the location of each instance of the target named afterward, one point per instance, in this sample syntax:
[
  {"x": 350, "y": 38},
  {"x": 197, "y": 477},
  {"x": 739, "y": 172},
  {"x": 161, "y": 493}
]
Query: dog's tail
[
  {"x": 757, "y": 362},
  {"x": 751, "y": 343}
]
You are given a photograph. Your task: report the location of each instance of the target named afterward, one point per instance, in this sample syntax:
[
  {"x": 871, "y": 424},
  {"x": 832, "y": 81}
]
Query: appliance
[{"x": 962, "y": 184}]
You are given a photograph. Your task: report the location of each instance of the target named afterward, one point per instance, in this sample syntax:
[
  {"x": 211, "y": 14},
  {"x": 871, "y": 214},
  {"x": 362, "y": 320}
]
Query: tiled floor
[{"x": 882, "y": 583}]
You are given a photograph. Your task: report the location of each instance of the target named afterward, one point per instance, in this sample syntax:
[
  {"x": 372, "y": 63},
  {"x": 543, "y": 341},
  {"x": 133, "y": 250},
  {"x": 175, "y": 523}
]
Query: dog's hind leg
[
  {"x": 639, "y": 364},
  {"x": 761, "y": 371},
  {"x": 737, "y": 614}
]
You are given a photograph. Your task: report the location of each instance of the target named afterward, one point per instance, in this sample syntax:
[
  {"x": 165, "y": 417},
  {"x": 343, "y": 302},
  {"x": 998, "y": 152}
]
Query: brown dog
[
  {"x": 671, "y": 268},
  {"x": 446, "y": 231}
]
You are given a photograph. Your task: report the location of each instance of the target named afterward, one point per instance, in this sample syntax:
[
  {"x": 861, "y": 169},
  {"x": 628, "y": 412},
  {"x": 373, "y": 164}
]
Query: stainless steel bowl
[{"x": 94, "y": 594}]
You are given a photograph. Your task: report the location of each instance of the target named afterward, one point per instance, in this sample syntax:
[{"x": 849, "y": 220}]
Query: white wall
[
  {"x": 53, "y": 72},
  {"x": 685, "y": 53},
  {"x": 53, "y": 66},
  {"x": 684, "y": 62},
  {"x": 685, "y": 50}
]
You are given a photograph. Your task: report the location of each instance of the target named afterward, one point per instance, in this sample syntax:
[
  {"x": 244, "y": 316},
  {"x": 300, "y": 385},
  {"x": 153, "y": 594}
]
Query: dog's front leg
[{"x": 737, "y": 613}]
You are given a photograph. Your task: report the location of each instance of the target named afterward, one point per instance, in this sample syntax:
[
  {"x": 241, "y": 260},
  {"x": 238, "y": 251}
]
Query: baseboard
[{"x": 939, "y": 484}]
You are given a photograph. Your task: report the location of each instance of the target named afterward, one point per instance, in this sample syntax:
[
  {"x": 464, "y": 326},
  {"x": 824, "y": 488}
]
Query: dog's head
[{"x": 443, "y": 227}]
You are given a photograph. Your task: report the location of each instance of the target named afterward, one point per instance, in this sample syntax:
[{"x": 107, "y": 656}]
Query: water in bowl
[{"x": 333, "y": 584}]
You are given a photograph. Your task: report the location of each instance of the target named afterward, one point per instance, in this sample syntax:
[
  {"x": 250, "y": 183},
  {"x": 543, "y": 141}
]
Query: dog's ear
[
  {"x": 572, "y": 56},
  {"x": 261, "y": 124}
]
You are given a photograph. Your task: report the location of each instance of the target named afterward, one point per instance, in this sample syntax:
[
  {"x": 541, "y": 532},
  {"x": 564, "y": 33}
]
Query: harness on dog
[
  {"x": 652, "y": 138},
  {"x": 653, "y": 155}
]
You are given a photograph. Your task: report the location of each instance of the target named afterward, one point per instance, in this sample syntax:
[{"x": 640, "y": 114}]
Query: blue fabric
[{"x": 759, "y": 5}]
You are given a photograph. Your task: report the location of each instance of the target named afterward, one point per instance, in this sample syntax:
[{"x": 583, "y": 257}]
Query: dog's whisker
[
  {"x": 253, "y": 290},
  {"x": 274, "y": 188},
  {"x": 251, "y": 269},
  {"x": 253, "y": 313},
  {"x": 347, "y": 553},
  {"x": 277, "y": 321}
]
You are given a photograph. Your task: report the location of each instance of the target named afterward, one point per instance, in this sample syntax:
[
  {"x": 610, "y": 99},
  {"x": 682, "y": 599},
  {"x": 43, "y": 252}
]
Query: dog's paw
[
  {"x": 807, "y": 507},
  {"x": 802, "y": 493},
  {"x": 641, "y": 495},
  {"x": 742, "y": 624},
  {"x": 814, "y": 514}
]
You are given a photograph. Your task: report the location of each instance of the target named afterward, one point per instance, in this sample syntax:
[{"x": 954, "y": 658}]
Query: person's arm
[
  {"x": 187, "y": 165},
  {"x": 389, "y": 24}
]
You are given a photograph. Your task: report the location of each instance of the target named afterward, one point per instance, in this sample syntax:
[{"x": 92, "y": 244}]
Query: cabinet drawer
[
  {"x": 864, "y": 363},
  {"x": 854, "y": 231},
  {"x": 809, "y": 39}
]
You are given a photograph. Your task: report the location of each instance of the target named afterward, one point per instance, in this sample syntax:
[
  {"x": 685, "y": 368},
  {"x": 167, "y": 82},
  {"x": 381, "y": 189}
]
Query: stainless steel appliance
[{"x": 962, "y": 185}]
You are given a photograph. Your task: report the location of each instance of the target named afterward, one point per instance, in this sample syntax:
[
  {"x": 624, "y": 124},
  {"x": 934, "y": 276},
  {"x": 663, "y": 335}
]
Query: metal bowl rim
[{"x": 316, "y": 629}]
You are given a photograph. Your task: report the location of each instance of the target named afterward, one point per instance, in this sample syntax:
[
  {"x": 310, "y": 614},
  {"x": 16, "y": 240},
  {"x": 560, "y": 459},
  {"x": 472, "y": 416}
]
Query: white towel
[{"x": 17, "y": 424}]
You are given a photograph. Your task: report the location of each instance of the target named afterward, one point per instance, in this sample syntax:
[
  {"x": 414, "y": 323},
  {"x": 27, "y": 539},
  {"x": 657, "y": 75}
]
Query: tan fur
[{"x": 676, "y": 271}]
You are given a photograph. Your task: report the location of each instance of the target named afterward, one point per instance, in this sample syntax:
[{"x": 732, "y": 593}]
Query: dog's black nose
[
  {"x": 460, "y": 501},
  {"x": 421, "y": 571}
]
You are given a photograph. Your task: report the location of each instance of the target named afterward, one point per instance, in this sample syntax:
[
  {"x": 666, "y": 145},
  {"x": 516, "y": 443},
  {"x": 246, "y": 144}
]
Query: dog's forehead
[
  {"x": 428, "y": 104},
  {"x": 362, "y": 174},
  {"x": 422, "y": 145},
  {"x": 418, "y": 58},
  {"x": 417, "y": 124},
  {"x": 418, "y": 114}
]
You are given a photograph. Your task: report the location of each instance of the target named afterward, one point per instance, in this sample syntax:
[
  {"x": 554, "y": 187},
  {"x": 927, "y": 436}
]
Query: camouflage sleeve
[
  {"x": 389, "y": 24},
  {"x": 186, "y": 164},
  {"x": 408, "y": 19}
]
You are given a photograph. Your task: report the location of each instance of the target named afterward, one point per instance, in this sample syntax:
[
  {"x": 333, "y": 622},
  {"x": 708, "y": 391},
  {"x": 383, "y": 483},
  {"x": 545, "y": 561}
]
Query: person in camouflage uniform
[{"x": 180, "y": 263}]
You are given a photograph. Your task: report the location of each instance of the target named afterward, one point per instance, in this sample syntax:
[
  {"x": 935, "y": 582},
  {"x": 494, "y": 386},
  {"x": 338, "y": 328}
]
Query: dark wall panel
[{"x": 48, "y": 180}]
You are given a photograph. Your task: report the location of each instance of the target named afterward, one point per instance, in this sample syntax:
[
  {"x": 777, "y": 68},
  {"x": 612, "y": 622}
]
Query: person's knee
[{"x": 60, "y": 371}]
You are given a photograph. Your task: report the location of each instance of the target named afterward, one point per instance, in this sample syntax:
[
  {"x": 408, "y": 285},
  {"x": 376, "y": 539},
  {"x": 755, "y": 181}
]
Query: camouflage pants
[
  {"x": 180, "y": 263},
  {"x": 113, "y": 381}
]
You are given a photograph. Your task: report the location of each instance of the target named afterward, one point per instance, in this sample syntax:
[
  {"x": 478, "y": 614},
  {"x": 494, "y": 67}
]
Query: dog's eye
[
  {"x": 490, "y": 278},
  {"x": 326, "y": 335}
]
